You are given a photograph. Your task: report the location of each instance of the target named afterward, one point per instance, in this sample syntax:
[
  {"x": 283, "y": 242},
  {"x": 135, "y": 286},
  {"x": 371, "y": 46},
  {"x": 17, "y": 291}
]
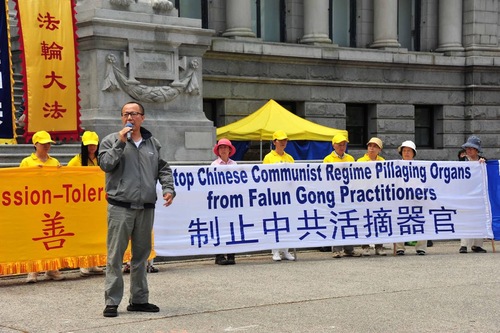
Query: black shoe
[
  {"x": 220, "y": 259},
  {"x": 430, "y": 243},
  {"x": 230, "y": 259},
  {"x": 478, "y": 249},
  {"x": 110, "y": 311},
  {"x": 143, "y": 307},
  {"x": 421, "y": 252},
  {"x": 400, "y": 252},
  {"x": 152, "y": 269},
  {"x": 463, "y": 249}
]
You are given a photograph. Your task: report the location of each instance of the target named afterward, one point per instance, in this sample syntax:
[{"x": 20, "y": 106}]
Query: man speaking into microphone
[{"x": 132, "y": 162}]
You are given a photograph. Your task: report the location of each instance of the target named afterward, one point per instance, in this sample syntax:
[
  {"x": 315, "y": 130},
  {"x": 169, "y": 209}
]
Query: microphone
[{"x": 129, "y": 133}]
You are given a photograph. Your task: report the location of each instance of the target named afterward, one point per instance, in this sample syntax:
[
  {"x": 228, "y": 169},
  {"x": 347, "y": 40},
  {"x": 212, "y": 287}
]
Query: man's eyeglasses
[{"x": 133, "y": 114}]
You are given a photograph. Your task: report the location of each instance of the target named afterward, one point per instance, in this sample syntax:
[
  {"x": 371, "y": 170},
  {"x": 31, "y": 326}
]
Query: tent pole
[{"x": 261, "y": 150}]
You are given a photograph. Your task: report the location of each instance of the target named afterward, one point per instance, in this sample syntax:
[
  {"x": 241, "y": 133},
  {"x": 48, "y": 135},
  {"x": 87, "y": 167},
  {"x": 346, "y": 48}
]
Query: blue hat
[{"x": 473, "y": 142}]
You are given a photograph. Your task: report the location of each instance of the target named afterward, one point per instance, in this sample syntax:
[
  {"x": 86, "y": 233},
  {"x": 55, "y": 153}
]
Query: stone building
[{"x": 421, "y": 70}]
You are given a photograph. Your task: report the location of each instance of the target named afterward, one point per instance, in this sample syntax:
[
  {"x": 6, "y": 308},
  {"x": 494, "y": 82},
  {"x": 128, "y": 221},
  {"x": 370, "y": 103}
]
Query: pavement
[{"x": 443, "y": 291}]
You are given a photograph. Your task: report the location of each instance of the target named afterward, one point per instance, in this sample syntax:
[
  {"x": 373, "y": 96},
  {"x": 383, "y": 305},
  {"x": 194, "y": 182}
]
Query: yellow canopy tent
[
  {"x": 260, "y": 126},
  {"x": 271, "y": 117}
]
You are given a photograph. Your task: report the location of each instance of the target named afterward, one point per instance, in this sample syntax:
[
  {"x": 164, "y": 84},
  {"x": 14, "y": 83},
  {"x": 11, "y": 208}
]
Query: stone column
[
  {"x": 316, "y": 22},
  {"x": 385, "y": 24},
  {"x": 239, "y": 19},
  {"x": 450, "y": 26}
]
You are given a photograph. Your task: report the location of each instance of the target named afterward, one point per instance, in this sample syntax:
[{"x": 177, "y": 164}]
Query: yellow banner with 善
[{"x": 52, "y": 218}]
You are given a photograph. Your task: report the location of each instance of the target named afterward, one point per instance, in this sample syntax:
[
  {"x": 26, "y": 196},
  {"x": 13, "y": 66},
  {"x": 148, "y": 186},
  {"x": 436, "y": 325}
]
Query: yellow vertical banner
[{"x": 47, "y": 30}]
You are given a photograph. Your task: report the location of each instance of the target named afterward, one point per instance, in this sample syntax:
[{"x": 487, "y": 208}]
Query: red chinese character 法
[
  {"x": 53, "y": 111},
  {"x": 48, "y": 21}
]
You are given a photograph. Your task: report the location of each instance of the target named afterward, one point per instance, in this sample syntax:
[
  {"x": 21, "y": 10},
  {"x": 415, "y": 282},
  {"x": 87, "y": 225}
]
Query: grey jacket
[{"x": 132, "y": 173}]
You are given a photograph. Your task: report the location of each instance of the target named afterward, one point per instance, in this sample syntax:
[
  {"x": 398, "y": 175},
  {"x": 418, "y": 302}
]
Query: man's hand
[
  {"x": 123, "y": 133},
  {"x": 168, "y": 199}
]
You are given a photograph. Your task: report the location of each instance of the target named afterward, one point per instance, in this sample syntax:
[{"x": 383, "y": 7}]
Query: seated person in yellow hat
[
  {"x": 41, "y": 158},
  {"x": 339, "y": 143},
  {"x": 278, "y": 155},
  {"x": 89, "y": 150},
  {"x": 373, "y": 149}
]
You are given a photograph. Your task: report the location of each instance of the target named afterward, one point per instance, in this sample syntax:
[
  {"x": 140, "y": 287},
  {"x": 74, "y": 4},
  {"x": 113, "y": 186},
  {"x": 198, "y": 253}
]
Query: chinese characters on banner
[
  {"x": 52, "y": 218},
  {"x": 47, "y": 32},
  {"x": 7, "y": 122},
  {"x": 247, "y": 208},
  {"x": 54, "y": 235}
]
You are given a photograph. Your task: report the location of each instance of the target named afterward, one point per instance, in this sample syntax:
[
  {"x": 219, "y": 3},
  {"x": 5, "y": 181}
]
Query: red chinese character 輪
[{"x": 51, "y": 52}]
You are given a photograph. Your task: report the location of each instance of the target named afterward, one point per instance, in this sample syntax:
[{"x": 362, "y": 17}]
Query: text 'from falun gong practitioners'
[{"x": 343, "y": 173}]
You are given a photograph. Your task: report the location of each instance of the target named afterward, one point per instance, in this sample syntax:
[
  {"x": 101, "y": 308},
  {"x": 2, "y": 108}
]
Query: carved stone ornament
[
  {"x": 121, "y": 3},
  {"x": 115, "y": 79},
  {"x": 163, "y": 5},
  {"x": 159, "y": 5}
]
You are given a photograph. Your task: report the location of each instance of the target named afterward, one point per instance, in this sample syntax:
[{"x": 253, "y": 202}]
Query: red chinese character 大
[
  {"x": 53, "y": 78},
  {"x": 48, "y": 21},
  {"x": 53, "y": 111},
  {"x": 53, "y": 232},
  {"x": 52, "y": 52}
]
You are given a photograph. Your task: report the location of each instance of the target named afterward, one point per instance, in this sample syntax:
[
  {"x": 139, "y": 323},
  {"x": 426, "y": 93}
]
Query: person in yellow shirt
[
  {"x": 374, "y": 147},
  {"x": 89, "y": 150},
  {"x": 42, "y": 142},
  {"x": 339, "y": 143},
  {"x": 278, "y": 155},
  {"x": 41, "y": 158}
]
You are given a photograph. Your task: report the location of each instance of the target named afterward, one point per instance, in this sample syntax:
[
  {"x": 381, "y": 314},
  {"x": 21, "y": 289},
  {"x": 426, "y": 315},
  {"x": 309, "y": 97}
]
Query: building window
[
  {"x": 197, "y": 9},
  {"x": 268, "y": 20},
  {"x": 342, "y": 21},
  {"x": 357, "y": 124},
  {"x": 290, "y": 106},
  {"x": 409, "y": 12},
  {"x": 213, "y": 111},
  {"x": 424, "y": 126}
]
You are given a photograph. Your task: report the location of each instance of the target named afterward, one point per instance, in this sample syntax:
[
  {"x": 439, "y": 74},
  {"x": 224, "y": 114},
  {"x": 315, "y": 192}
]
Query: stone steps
[{"x": 12, "y": 155}]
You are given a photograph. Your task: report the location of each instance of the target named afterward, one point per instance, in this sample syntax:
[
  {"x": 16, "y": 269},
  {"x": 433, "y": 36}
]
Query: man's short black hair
[{"x": 135, "y": 102}]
